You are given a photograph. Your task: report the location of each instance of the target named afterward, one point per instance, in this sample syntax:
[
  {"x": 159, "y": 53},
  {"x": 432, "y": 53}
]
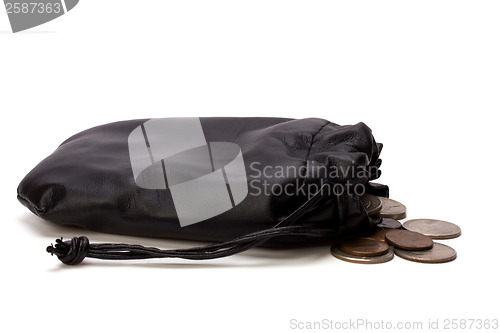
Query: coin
[
  {"x": 388, "y": 223},
  {"x": 362, "y": 260},
  {"x": 436, "y": 229},
  {"x": 408, "y": 240},
  {"x": 378, "y": 235},
  {"x": 364, "y": 247},
  {"x": 438, "y": 254},
  {"x": 371, "y": 203},
  {"x": 392, "y": 209}
]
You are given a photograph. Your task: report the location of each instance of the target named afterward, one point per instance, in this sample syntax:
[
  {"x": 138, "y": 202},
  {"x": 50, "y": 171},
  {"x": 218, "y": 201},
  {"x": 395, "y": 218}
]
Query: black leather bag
[{"x": 239, "y": 182}]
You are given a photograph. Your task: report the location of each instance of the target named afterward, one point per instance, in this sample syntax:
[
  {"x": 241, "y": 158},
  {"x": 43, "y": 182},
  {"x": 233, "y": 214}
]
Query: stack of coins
[{"x": 412, "y": 240}]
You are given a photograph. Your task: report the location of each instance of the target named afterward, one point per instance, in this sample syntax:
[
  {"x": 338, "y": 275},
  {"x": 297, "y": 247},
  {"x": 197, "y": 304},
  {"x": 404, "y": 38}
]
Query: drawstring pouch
[{"x": 236, "y": 183}]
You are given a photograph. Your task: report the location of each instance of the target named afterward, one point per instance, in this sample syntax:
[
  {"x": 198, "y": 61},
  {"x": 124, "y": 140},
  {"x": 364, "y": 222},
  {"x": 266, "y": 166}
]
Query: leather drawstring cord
[{"x": 73, "y": 252}]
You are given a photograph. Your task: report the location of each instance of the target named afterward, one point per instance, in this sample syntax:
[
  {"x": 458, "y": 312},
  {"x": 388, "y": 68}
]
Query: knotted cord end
[{"x": 70, "y": 252}]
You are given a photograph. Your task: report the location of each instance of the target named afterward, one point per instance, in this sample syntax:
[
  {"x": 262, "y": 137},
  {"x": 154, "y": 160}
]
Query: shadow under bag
[{"x": 236, "y": 182}]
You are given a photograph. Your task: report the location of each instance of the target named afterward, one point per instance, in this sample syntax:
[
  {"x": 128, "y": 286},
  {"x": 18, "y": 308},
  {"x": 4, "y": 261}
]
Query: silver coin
[
  {"x": 436, "y": 229},
  {"x": 438, "y": 254},
  {"x": 388, "y": 223},
  {"x": 372, "y": 204},
  {"x": 392, "y": 209},
  {"x": 362, "y": 260}
]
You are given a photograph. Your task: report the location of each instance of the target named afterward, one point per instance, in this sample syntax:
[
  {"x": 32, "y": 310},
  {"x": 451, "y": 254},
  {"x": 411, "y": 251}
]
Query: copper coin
[
  {"x": 362, "y": 260},
  {"x": 388, "y": 223},
  {"x": 438, "y": 254},
  {"x": 378, "y": 235},
  {"x": 392, "y": 209},
  {"x": 372, "y": 204},
  {"x": 364, "y": 247},
  {"x": 408, "y": 240},
  {"x": 436, "y": 229}
]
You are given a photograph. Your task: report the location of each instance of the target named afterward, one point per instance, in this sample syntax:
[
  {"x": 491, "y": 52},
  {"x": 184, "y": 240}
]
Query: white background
[{"x": 424, "y": 75}]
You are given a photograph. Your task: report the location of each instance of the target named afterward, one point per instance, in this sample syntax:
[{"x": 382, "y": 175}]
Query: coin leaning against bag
[
  {"x": 438, "y": 254},
  {"x": 372, "y": 204},
  {"x": 392, "y": 209},
  {"x": 435, "y": 229},
  {"x": 362, "y": 260}
]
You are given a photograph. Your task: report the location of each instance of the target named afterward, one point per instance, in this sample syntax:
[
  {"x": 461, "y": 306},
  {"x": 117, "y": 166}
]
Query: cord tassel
[{"x": 74, "y": 251}]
